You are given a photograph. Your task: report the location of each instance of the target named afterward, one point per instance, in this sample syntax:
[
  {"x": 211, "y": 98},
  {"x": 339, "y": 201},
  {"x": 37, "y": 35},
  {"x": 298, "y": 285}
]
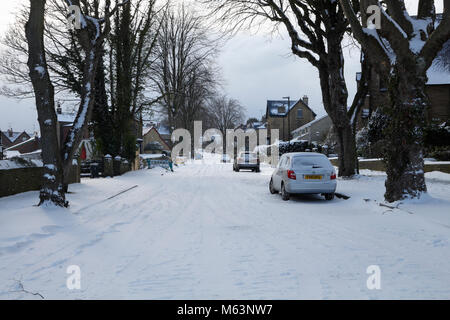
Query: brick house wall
[
  {"x": 30, "y": 146},
  {"x": 439, "y": 96},
  {"x": 296, "y": 120}
]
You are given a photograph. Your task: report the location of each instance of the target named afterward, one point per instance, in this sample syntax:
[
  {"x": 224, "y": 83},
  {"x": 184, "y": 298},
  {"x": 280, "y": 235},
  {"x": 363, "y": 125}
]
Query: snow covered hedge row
[{"x": 16, "y": 163}]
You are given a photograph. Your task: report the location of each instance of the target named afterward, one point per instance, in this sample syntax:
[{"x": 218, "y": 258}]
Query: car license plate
[{"x": 313, "y": 177}]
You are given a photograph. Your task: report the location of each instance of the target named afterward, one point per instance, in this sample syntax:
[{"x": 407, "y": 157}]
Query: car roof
[{"x": 303, "y": 154}]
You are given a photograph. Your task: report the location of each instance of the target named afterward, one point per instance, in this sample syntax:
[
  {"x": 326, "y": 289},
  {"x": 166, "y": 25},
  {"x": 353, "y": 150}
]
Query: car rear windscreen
[
  {"x": 249, "y": 154},
  {"x": 311, "y": 161}
]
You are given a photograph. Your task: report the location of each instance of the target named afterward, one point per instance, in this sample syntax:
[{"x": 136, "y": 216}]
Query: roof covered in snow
[
  {"x": 437, "y": 76},
  {"x": 34, "y": 137},
  {"x": 256, "y": 126},
  {"x": 309, "y": 124},
  {"x": 279, "y": 107},
  {"x": 162, "y": 129},
  {"x": 11, "y": 153},
  {"x": 13, "y": 135},
  {"x": 66, "y": 117},
  {"x": 439, "y": 72},
  {"x": 16, "y": 164}
]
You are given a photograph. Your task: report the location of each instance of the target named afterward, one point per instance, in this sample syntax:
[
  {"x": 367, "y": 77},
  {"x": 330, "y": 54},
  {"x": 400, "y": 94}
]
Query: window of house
[
  {"x": 281, "y": 110},
  {"x": 300, "y": 114},
  {"x": 365, "y": 113},
  {"x": 383, "y": 85}
]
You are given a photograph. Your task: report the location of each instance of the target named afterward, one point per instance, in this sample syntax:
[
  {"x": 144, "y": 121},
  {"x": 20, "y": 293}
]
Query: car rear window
[
  {"x": 250, "y": 154},
  {"x": 311, "y": 161}
]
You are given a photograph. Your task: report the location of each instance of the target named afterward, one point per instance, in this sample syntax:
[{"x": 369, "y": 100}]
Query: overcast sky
[{"x": 255, "y": 67}]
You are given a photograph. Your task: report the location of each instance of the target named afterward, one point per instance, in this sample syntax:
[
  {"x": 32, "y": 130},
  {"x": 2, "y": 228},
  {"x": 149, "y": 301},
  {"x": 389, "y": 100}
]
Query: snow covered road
[{"x": 206, "y": 232}]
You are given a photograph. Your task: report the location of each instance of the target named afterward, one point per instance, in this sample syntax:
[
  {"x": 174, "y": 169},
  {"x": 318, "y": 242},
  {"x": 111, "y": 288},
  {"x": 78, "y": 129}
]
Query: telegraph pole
[
  {"x": 1, "y": 147},
  {"x": 288, "y": 117}
]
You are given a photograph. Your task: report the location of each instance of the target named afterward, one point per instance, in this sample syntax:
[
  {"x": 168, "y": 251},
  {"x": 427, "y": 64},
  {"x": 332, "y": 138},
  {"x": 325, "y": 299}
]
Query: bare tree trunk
[
  {"x": 335, "y": 97},
  {"x": 52, "y": 186},
  {"x": 404, "y": 133},
  {"x": 347, "y": 157},
  {"x": 58, "y": 162}
]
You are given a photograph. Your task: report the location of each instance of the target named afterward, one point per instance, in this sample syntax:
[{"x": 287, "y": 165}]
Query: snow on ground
[{"x": 206, "y": 232}]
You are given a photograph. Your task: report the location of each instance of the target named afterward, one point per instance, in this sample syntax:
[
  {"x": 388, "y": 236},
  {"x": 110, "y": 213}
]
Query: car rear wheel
[
  {"x": 284, "y": 193},
  {"x": 271, "y": 188},
  {"x": 329, "y": 196}
]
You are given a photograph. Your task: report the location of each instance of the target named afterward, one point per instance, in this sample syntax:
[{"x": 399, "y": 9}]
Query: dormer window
[
  {"x": 365, "y": 113},
  {"x": 281, "y": 109}
]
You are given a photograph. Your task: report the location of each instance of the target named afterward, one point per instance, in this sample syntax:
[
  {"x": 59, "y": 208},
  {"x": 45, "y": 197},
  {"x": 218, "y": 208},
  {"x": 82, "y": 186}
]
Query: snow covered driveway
[{"x": 206, "y": 232}]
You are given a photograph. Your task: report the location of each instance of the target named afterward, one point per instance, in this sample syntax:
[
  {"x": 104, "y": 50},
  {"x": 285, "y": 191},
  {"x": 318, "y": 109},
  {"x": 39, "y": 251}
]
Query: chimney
[
  {"x": 306, "y": 100},
  {"x": 59, "y": 109},
  {"x": 10, "y": 132}
]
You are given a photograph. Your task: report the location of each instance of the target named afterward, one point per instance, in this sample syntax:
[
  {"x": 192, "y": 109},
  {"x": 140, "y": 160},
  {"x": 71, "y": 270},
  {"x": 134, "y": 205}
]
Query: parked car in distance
[
  {"x": 225, "y": 158},
  {"x": 246, "y": 160},
  {"x": 304, "y": 173}
]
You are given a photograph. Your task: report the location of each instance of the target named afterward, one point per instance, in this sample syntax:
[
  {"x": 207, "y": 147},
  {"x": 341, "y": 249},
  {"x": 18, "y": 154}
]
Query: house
[
  {"x": 314, "y": 131},
  {"x": 280, "y": 116},
  {"x": 437, "y": 90},
  {"x": 28, "y": 146},
  {"x": 153, "y": 141},
  {"x": 64, "y": 124},
  {"x": 163, "y": 130},
  {"x": 255, "y": 126},
  {"x": 10, "y": 138},
  {"x": 63, "y": 127},
  {"x": 165, "y": 134}
]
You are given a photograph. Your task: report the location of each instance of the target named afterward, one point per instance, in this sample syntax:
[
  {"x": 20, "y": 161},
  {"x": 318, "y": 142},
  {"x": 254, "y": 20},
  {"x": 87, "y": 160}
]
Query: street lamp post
[
  {"x": 1, "y": 147},
  {"x": 288, "y": 112}
]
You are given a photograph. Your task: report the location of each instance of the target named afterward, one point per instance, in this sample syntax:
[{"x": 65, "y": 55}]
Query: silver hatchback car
[{"x": 304, "y": 173}]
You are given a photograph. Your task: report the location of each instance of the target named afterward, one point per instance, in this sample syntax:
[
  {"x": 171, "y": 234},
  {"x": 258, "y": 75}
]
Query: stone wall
[
  {"x": 14, "y": 181},
  {"x": 378, "y": 165}
]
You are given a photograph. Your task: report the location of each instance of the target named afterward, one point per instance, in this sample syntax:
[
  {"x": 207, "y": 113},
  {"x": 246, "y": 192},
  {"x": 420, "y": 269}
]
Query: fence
[{"x": 157, "y": 163}]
